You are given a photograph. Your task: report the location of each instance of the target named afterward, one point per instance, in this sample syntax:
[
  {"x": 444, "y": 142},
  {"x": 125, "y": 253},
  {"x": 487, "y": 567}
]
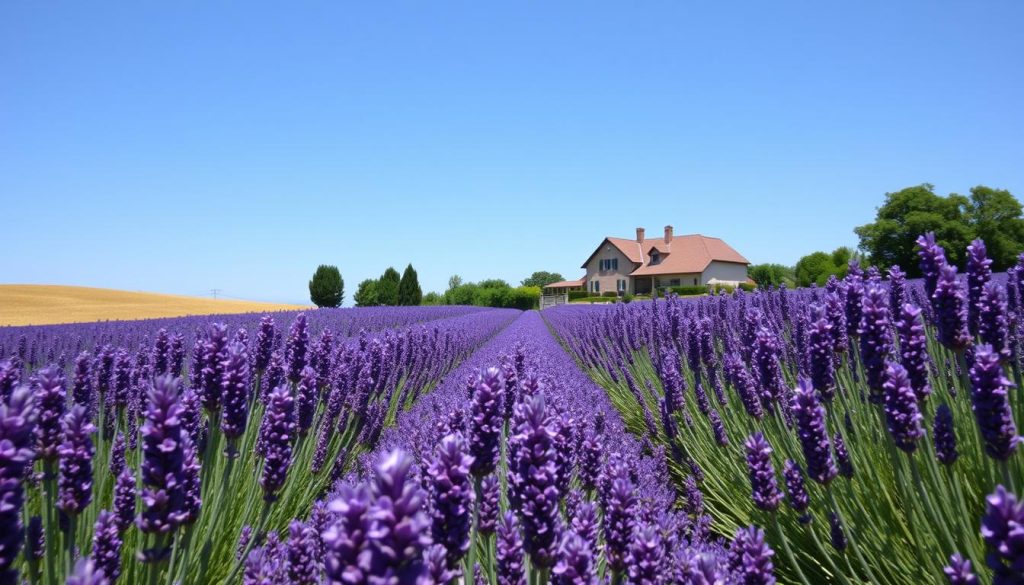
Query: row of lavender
[
  {"x": 883, "y": 408},
  {"x": 516, "y": 469},
  {"x": 141, "y": 464},
  {"x": 58, "y": 344}
]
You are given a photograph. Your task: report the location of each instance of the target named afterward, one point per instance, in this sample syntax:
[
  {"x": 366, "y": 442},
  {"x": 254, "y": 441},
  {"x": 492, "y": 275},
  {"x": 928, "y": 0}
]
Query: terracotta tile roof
[
  {"x": 683, "y": 254},
  {"x": 565, "y": 283}
]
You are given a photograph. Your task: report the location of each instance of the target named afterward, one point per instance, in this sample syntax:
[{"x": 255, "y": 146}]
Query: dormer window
[{"x": 655, "y": 258}]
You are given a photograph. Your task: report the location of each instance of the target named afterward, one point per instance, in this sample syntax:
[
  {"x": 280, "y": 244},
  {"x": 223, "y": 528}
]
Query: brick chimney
[
  {"x": 668, "y": 234},
  {"x": 640, "y": 235}
]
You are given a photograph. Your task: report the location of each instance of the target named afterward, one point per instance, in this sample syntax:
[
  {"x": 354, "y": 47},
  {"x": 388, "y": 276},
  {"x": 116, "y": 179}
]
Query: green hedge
[
  {"x": 609, "y": 293},
  {"x": 578, "y": 294},
  {"x": 688, "y": 291},
  {"x": 746, "y": 286}
]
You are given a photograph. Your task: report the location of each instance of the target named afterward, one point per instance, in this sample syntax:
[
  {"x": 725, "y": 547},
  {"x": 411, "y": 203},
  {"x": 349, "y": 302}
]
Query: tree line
[{"x": 993, "y": 215}]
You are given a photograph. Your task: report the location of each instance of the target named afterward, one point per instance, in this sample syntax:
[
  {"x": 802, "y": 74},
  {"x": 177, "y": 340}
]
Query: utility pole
[{"x": 214, "y": 292}]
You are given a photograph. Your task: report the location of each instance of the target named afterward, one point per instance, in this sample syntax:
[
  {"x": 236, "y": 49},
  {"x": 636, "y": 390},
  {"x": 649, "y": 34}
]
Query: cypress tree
[
  {"x": 326, "y": 288},
  {"x": 387, "y": 288},
  {"x": 409, "y": 292}
]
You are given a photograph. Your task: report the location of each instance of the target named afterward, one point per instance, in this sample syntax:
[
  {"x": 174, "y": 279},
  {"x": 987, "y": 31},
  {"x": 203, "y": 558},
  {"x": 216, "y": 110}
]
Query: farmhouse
[{"x": 639, "y": 265}]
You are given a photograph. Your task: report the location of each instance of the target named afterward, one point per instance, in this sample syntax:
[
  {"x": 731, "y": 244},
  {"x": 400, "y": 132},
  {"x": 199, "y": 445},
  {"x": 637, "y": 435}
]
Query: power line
[{"x": 214, "y": 292}]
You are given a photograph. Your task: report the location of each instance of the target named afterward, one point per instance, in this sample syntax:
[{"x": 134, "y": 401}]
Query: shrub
[
  {"x": 627, "y": 298},
  {"x": 688, "y": 291},
  {"x": 524, "y": 298},
  {"x": 747, "y": 287},
  {"x": 578, "y": 294},
  {"x": 718, "y": 288},
  {"x": 609, "y": 293}
]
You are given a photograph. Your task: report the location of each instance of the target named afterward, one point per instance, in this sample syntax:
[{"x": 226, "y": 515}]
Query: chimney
[
  {"x": 639, "y": 235},
  {"x": 668, "y": 234}
]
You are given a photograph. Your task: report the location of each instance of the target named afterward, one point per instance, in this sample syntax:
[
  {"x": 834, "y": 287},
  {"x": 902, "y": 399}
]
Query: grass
[{"x": 42, "y": 304}]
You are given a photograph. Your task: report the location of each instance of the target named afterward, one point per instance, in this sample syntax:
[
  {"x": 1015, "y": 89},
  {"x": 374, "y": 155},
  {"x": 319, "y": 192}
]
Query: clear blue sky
[{"x": 180, "y": 146}]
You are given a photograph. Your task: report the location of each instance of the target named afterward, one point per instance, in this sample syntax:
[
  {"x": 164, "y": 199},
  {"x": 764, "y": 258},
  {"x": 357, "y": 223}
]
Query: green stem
[
  {"x": 789, "y": 552},
  {"x": 256, "y": 534}
]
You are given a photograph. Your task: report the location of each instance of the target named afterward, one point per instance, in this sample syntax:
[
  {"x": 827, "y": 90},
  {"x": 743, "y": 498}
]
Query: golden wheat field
[{"x": 43, "y": 304}]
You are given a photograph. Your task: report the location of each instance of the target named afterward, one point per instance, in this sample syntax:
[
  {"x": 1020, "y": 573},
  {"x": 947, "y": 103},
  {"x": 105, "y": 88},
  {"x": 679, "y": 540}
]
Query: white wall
[{"x": 725, "y": 271}]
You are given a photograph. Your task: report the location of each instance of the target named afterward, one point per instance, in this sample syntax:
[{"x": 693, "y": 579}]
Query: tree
[
  {"x": 366, "y": 294},
  {"x": 454, "y": 281},
  {"x": 326, "y": 288},
  {"x": 433, "y": 298},
  {"x": 542, "y": 278},
  {"x": 409, "y": 292},
  {"x": 768, "y": 275},
  {"x": 995, "y": 216},
  {"x": 387, "y": 287},
  {"x": 815, "y": 268},
  {"x": 493, "y": 283},
  {"x": 907, "y": 214}
]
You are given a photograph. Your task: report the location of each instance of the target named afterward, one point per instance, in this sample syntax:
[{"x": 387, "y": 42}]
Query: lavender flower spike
[
  {"x": 813, "y": 434},
  {"x": 106, "y": 545},
  {"x": 276, "y": 437},
  {"x": 163, "y": 459},
  {"x": 944, "y": 436},
  {"x": 235, "y": 385},
  {"x": 914, "y": 349},
  {"x": 901, "y": 412},
  {"x": 486, "y": 420},
  {"x": 17, "y": 421},
  {"x": 1001, "y": 528},
  {"x": 74, "y": 484},
  {"x": 765, "y": 491},
  {"x": 990, "y": 401},
  {"x": 951, "y": 309},
  {"x": 979, "y": 273},
  {"x": 959, "y": 571},
  {"x": 509, "y": 560},
  {"x": 751, "y": 557},
  {"x": 451, "y": 491}
]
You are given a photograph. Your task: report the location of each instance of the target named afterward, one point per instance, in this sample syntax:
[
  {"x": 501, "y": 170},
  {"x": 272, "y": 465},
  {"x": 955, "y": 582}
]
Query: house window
[
  {"x": 597, "y": 286},
  {"x": 674, "y": 282},
  {"x": 655, "y": 258},
  {"x": 609, "y": 264},
  {"x": 621, "y": 285},
  {"x": 694, "y": 282}
]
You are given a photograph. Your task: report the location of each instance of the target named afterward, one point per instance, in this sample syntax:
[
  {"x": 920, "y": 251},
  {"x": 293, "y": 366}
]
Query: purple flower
[
  {"x": 821, "y": 353},
  {"x": 81, "y": 382},
  {"x": 766, "y": 359},
  {"x": 17, "y": 419},
  {"x": 842, "y": 456},
  {"x": 163, "y": 460},
  {"x": 264, "y": 566},
  {"x": 1002, "y": 528},
  {"x": 751, "y": 558},
  {"x": 400, "y": 530},
  {"x": 897, "y": 287},
  {"x": 534, "y": 491},
  {"x": 950, "y": 309},
  {"x": 509, "y": 552},
  {"x": 796, "y": 491},
  {"x": 875, "y": 332},
  {"x": 813, "y": 434},
  {"x": 854, "y": 284},
  {"x": 718, "y": 428},
  {"x": 10, "y": 374},
  {"x": 302, "y": 552},
  {"x": 993, "y": 322},
  {"x": 959, "y": 571},
  {"x": 694, "y": 504},
  {"x": 944, "y": 436},
  {"x": 671, "y": 379},
  {"x": 124, "y": 498},
  {"x": 766, "y": 493},
  {"x": 592, "y": 455},
  {"x": 106, "y": 545},
  {"x": 486, "y": 421},
  {"x": 933, "y": 258},
  {"x": 161, "y": 352},
  {"x": 490, "y": 494},
  {"x": 745, "y": 386},
  {"x": 645, "y": 554},
  {"x": 86, "y": 572},
  {"x": 276, "y": 435},
  {"x": 235, "y": 388},
  {"x": 305, "y": 400},
  {"x": 914, "y": 350},
  {"x": 436, "y": 560},
  {"x": 838, "y": 535},
  {"x": 296, "y": 347},
  {"x": 190, "y": 474},
  {"x": 117, "y": 455},
  {"x": 264, "y": 343},
  {"x": 990, "y": 400},
  {"x": 346, "y": 539},
  {"x": 51, "y": 403},
  {"x": 452, "y": 497},
  {"x": 979, "y": 273},
  {"x": 901, "y": 412},
  {"x": 213, "y": 353},
  {"x": 575, "y": 561},
  {"x": 74, "y": 483},
  {"x": 619, "y": 503}
]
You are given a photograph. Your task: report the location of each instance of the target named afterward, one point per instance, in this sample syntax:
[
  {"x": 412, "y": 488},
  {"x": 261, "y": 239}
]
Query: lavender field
[{"x": 863, "y": 432}]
